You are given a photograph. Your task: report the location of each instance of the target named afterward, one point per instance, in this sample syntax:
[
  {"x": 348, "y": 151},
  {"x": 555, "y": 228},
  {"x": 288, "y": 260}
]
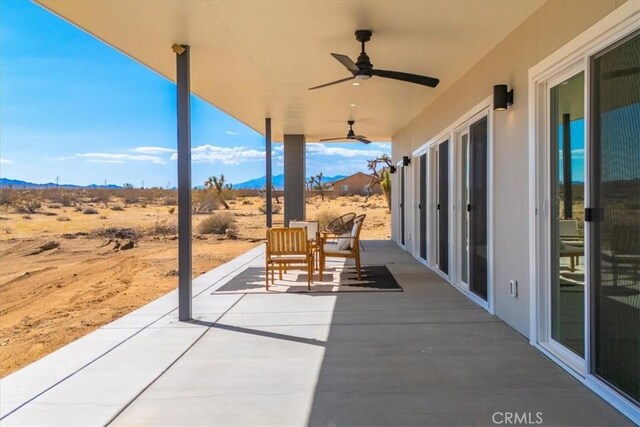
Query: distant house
[{"x": 354, "y": 184}]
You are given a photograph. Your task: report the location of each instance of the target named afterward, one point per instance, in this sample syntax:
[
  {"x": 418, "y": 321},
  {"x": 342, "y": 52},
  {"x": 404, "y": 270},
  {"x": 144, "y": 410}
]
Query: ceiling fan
[
  {"x": 350, "y": 135},
  {"x": 363, "y": 69}
]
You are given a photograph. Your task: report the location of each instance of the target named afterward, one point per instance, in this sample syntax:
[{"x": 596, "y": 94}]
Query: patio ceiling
[{"x": 256, "y": 59}]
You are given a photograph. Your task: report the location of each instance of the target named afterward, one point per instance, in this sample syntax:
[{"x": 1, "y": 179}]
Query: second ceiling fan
[
  {"x": 363, "y": 68},
  {"x": 350, "y": 135}
]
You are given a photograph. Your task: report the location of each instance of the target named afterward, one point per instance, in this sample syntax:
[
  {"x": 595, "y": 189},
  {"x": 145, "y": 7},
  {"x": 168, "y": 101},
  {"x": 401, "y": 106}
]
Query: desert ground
[{"x": 67, "y": 268}]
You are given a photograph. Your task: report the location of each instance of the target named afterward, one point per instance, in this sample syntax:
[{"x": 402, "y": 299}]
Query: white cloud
[
  {"x": 324, "y": 149},
  {"x": 106, "y": 161},
  {"x": 122, "y": 157},
  {"x": 232, "y": 133},
  {"x": 5, "y": 161},
  {"x": 385, "y": 145},
  {"x": 153, "y": 150},
  {"x": 225, "y": 155}
]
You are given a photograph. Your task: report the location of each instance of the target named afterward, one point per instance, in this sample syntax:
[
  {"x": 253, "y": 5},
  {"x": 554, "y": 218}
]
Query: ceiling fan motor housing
[{"x": 363, "y": 63}]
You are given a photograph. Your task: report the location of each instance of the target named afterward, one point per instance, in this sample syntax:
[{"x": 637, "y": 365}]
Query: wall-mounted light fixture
[
  {"x": 392, "y": 169},
  {"x": 178, "y": 48},
  {"x": 502, "y": 97},
  {"x": 406, "y": 161}
]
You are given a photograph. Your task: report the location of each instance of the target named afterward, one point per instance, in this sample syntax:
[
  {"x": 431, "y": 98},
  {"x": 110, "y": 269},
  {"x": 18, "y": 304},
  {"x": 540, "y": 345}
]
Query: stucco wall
[
  {"x": 356, "y": 185},
  {"x": 554, "y": 24}
]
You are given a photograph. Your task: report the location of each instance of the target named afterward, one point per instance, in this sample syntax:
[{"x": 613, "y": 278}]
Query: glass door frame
[
  {"x": 461, "y": 200},
  {"x": 544, "y": 226},
  {"x": 433, "y": 196},
  {"x": 459, "y": 206},
  {"x": 567, "y": 61}
]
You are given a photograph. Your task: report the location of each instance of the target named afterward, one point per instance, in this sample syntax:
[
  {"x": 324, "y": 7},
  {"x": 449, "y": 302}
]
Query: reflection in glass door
[
  {"x": 614, "y": 215},
  {"x": 567, "y": 280}
]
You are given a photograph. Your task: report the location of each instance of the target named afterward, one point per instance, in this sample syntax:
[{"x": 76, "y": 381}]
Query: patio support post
[
  {"x": 184, "y": 182},
  {"x": 269, "y": 180},
  {"x": 294, "y": 178}
]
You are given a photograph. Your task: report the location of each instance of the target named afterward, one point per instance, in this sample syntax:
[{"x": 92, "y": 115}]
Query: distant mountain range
[
  {"x": 16, "y": 184},
  {"x": 252, "y": 184},
  {"x": 278, "y": 182}
]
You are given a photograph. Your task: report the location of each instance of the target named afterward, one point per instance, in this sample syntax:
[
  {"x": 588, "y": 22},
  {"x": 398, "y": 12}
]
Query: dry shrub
[
  {"x": 26, "y": 216},
  {"x": 28, "y": 206},
  {"x": 63, "y": 218},
  {"x": 246, "y": 202},
  {"x": 163, "y": 227},
  {"x": 325, "y": 216},
  {"x": 90, "y": 210},
  {"x": 64, "y": 198},
  {"x": 116, "y": 233},
  {"x": 171, "y": 210},
  {"x": 117, "y": 207},
  {"x": 218, "y": 223},
  {"x": 204, "y": 202},
  {"x": 55, "y": 206},
  {"x": 78, "y": 209},
  {"x": 275, "y": 209},
  {"x": 7, "y": 230},
  {"x": 103, "y": 217},
  {"x": 169, "y": 201},
  {"x": 6, "y": 197}
]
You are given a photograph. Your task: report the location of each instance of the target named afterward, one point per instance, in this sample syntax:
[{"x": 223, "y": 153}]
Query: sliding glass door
[
  {"x": 477, "y": 208},
  {"x": 614, "y": 215},
  {"x": 422, "y": 205},
  {"x": 463, "y": 218},
  {"x": 442, "y": 205},
  {"x": 567, "y": 166},
  {"x": 402, "y": 203},
  {"x": 588, "y": 184}
]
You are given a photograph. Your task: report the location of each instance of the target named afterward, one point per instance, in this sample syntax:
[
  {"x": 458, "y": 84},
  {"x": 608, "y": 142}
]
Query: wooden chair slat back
[{"x": 287, "y": 241}]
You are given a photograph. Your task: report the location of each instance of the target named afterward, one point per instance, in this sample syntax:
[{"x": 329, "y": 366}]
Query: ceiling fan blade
[
  {"x": 332, "y": 83},
  {"x": 347, "y": 62},
  {"x": 362, "y": 139},
  {"x": 333, "y": 139},
  {"x": 406, "y": 77}
]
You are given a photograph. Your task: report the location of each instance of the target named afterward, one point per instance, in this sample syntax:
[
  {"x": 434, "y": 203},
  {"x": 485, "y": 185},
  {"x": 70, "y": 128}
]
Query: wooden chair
[
  {"x": 345, "y": 246},
  {"x": 313, "y": 234},
  {"x": 288, "y": 247}
]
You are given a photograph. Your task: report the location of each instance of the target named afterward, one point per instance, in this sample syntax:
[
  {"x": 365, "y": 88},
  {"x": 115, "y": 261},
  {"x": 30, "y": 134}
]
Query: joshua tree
[
  {"x": 218, "y": 184},
  {"x": 382, "y": 177},
  {"x": 317, "y": 181},
  {"x": 274, "y": 194}
]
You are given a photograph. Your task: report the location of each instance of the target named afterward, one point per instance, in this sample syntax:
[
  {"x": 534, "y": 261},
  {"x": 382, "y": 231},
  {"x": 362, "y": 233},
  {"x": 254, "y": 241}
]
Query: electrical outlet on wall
[{"x": 513, "y": 288}]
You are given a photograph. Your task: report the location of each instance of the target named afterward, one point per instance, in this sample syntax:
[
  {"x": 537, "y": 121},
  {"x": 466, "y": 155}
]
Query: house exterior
[
  {"x": 536, "y": 121},
  {"x": 356, "y": 184}
]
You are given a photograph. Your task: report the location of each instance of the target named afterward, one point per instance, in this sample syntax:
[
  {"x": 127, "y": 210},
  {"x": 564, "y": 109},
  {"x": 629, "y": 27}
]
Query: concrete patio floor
[{"x": 425, "y": 356}]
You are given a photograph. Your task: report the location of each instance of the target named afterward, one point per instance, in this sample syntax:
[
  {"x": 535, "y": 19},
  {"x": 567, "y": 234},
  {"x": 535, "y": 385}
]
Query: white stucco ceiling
[{"x": 254, "y": 59}]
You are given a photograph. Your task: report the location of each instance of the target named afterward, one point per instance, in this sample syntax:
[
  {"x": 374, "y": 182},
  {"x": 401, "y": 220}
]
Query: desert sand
[{"x": 64, "y": 274}]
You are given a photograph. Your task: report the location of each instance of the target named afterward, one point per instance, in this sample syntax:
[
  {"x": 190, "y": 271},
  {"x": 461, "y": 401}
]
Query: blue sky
[{"x": 74, "y": 108}]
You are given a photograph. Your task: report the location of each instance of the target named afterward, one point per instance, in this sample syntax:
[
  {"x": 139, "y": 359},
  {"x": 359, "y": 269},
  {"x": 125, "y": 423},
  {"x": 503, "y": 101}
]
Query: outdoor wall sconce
[
  {"x": 392, "y": 169},
  {"x": 178, "y": 49},
  {"x": 406, "y": 161},
  {"x": 502, "y": 97}
]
